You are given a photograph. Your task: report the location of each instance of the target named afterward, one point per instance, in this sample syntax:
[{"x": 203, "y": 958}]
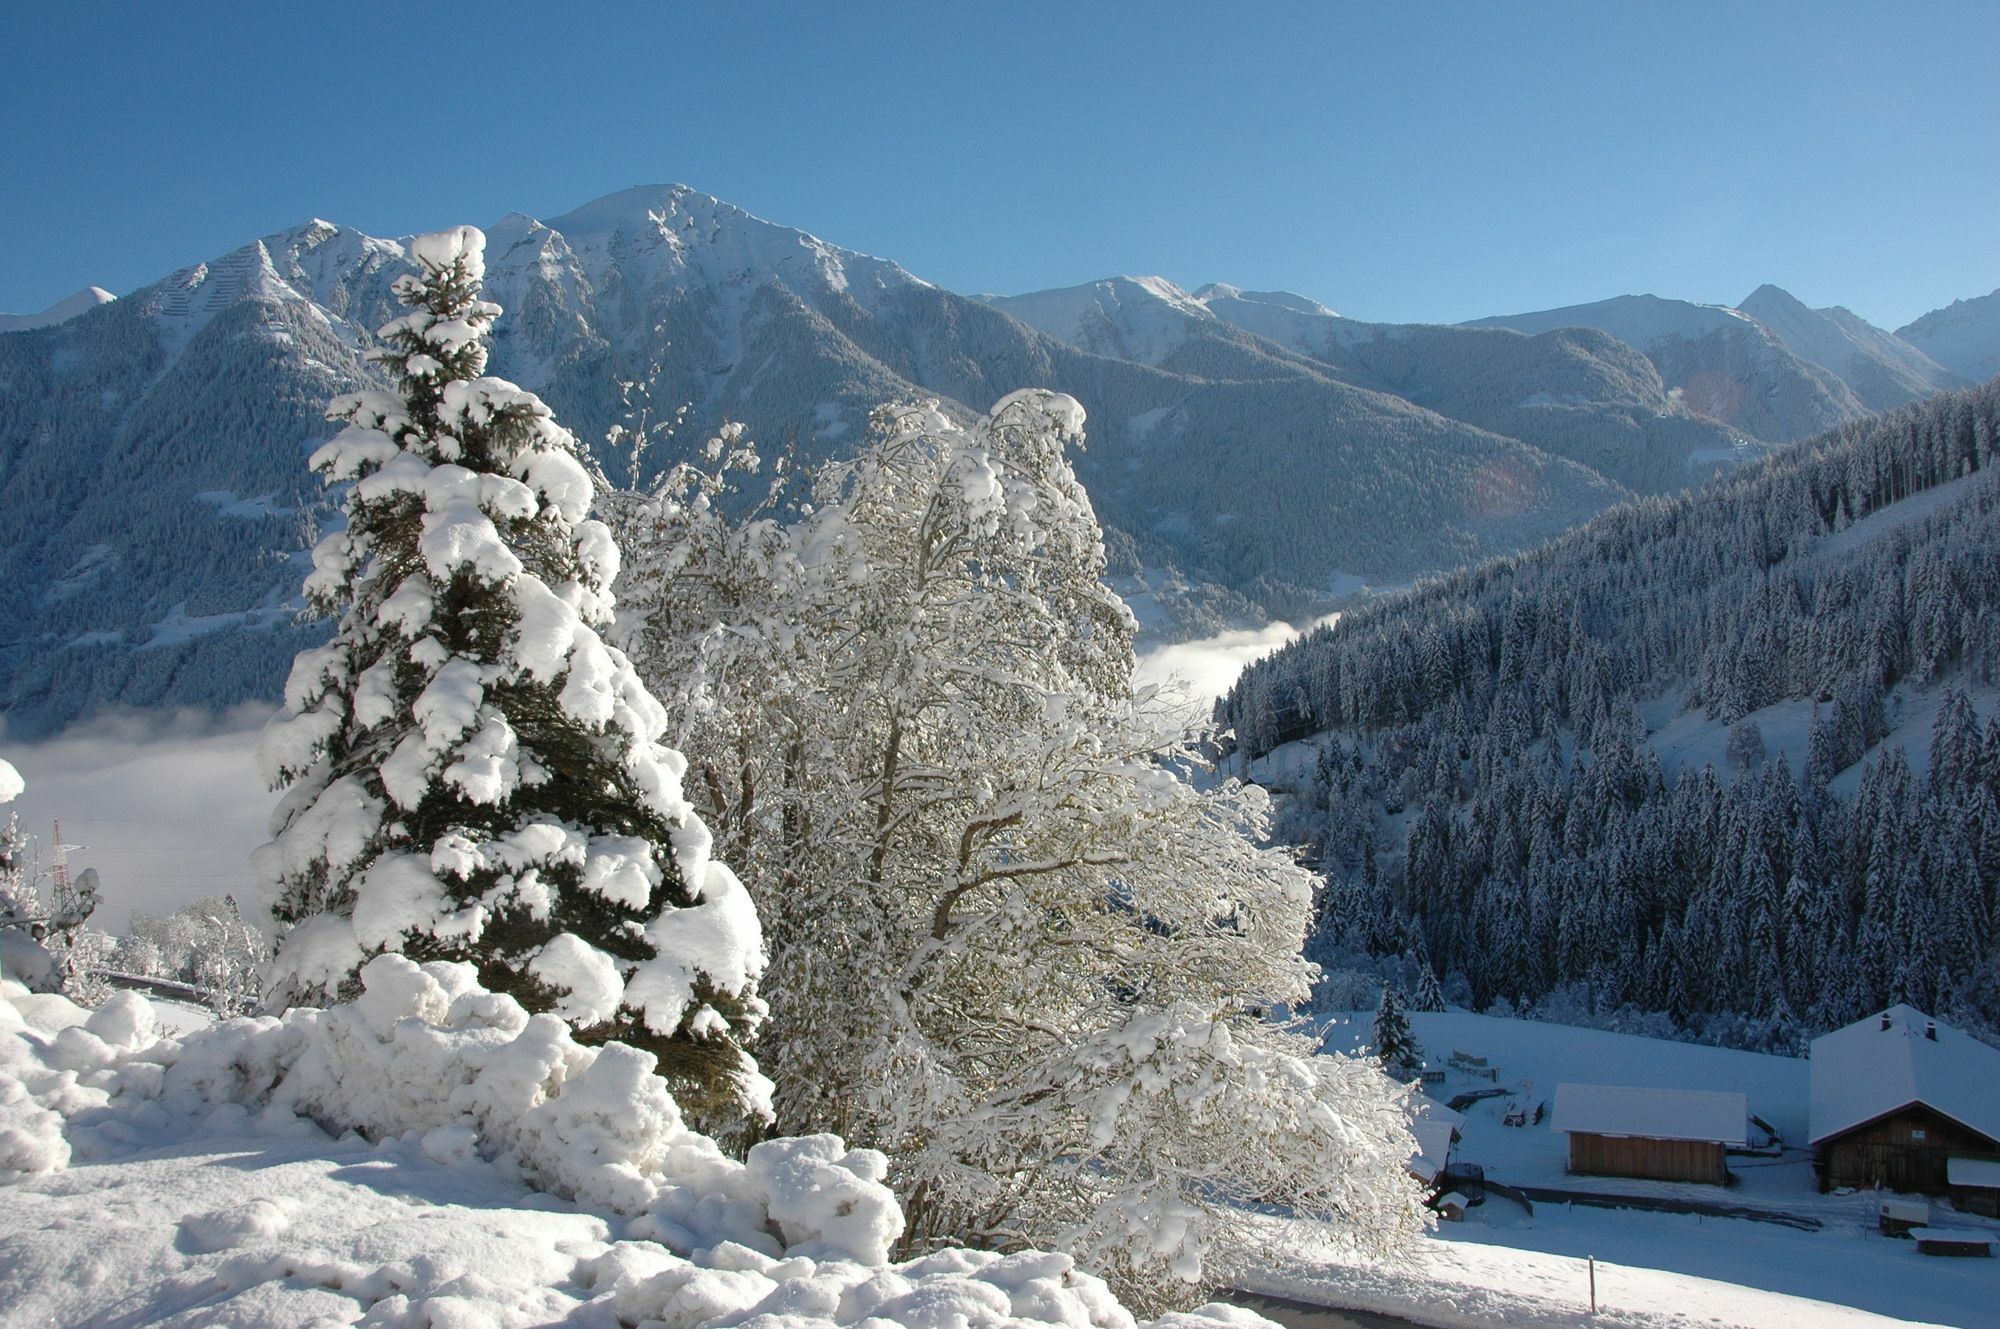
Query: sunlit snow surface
[
  {"x": 183, "y": 1181},
  {"x": 1504, "y": 1266}
]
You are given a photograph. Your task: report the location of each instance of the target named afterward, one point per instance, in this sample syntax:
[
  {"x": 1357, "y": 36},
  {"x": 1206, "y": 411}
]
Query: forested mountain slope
[
  {"x": 1732, "y": 756},
  {"x": 152, "y": 458},
  {"x": 152, "y": 450}
]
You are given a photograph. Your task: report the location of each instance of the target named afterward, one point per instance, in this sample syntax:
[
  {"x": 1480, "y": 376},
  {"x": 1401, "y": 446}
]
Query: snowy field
[
  {"x": 1505, "y": 1266},
  {"x": 482, "y": 1171},
  {"x": 184, "y": 1183}
]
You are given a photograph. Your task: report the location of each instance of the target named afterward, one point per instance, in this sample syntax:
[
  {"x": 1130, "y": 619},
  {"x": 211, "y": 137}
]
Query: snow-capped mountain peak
[
  {"x": 1287, "y": 300},
  {"x": 1883, "y": 370},
  {"x": 1293, "y": 321},
  {"x": 1135, "y": 318},
  {"x": 1964, "y": 336},
  {"x": 678, "y": 235},
  {"x": 63, "y": 310}
]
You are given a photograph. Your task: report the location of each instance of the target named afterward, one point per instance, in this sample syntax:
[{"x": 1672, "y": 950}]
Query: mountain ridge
[
  {"x": 1964, "y": 336},
  {"x": 157, "y": 443},
  {"x": 63, "y": 310},
  {"x": 1243, "y": 476}
]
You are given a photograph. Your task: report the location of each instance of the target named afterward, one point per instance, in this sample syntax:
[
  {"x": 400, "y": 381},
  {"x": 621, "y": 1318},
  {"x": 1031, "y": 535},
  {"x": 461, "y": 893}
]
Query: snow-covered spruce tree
[
  {"x": 1012, "y": 943},
  {"x": 474, "y": 774},
  {"x": 1396, "y": 1045},
  {"x": 1429, "y": 995}
]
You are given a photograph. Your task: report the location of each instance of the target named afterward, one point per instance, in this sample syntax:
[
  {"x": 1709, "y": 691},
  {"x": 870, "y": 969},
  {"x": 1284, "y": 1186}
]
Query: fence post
[{"x": 1593, "y": 1284}]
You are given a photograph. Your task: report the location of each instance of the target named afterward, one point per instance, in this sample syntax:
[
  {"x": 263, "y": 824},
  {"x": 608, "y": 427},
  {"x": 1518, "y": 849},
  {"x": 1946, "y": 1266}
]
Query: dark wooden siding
[
  {"x": 1976, "y": 1200},
  {"x": 1635, "y": 1156},
  {"x": 1904, "y": 1151}
]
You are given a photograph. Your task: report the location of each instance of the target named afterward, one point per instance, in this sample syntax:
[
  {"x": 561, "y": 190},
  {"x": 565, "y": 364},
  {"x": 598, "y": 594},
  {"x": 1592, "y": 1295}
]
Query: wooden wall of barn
[
  {"x": 1904, "y": 1151},
  {"x": 1636, "y": 1156}
]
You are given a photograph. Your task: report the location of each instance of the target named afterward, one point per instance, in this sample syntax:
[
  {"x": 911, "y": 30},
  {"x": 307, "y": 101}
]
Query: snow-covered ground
[
  {"x": 430, "y": 1156},
  {"x": 1503, "y": 1265},
  {"x": 184, "y": 1182}
]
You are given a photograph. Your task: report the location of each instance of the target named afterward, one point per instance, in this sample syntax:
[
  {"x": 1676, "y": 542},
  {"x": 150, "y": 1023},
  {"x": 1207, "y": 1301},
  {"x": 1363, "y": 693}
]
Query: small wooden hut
[{"x": 1975, "y": 1185}]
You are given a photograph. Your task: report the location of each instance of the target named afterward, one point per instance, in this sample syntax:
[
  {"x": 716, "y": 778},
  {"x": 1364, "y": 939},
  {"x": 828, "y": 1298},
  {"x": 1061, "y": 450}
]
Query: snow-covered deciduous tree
[
  {"x": 1745, "y": 749},
  {"x": 22, "y": 957},
  {"x": 13, "y": 845},
  {"x": 1013, "y": 943},
  {"x": 205, "y": 944},
  {"x": 474, "y": 774}
]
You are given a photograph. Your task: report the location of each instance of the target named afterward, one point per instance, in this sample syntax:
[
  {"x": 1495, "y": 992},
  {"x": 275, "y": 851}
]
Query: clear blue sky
[{"x": 1421, "y": 161}]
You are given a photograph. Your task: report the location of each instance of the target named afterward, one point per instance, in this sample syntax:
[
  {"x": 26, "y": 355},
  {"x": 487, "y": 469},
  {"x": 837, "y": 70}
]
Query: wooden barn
[
  {"x": 1662, "y": 1134},
  {"x": 1896, "y": 1097}
]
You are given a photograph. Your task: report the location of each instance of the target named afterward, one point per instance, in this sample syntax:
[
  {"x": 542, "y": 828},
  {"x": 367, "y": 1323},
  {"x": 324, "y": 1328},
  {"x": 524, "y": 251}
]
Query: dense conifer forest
[{"x": 1487, "y": 795}]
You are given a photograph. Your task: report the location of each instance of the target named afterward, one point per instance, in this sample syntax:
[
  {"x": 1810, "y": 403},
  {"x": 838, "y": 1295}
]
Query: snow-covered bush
[
  {"x": 204, "y": 944},
  {"x": 473, "y": 773},
  {"x": 1014, "y": 943},
  {"x": 448, "y": 1075},
  {"x": 57, "y": 1059}
]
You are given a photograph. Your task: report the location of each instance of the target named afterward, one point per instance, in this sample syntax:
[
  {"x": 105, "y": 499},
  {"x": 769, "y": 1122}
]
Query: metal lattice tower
[{"x": 59, "y": 870}]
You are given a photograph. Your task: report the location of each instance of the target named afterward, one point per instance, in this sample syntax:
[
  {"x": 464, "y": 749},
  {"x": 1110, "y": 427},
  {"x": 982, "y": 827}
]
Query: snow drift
[{"x": 457, "y": 1092}]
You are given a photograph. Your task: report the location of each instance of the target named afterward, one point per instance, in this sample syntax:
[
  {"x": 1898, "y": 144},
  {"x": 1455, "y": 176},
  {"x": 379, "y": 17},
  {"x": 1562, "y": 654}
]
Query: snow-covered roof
[
  {"x": 1982, "y": 1172},
  {"x": 1960, "y": 1236},
  {"x": 1905, "y": 1211},
  {"x": 1653, "y": 1114},
  {"x": 1433, "y": 1125},
  {"x": 1890, "y": 1061},
  {"x": 1433, "y": 1148},
  {"x": 1436, "y": 1111}
]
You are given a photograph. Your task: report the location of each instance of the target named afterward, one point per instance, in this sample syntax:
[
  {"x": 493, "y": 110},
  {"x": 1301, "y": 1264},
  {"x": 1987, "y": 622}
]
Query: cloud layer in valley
[
  {"x": 1207, "y": 667},
  {"x": 167, "y": 808}
]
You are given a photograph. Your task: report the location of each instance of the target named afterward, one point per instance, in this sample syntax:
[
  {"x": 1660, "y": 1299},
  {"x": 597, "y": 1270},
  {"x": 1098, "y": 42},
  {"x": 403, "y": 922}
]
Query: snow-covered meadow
[{"x": 430, "y": 1155}]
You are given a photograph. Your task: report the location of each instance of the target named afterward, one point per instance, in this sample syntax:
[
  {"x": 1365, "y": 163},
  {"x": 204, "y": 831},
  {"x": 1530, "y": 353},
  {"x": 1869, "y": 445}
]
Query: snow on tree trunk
[
  {"x": 472, "y": 773},
  {"x": 1012, "y": 943}
]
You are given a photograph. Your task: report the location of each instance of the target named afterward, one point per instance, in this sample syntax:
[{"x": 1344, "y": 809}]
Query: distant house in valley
[
  {"x": 1661, "y": 1134},
  {"x": 1897, "y": 1097}
]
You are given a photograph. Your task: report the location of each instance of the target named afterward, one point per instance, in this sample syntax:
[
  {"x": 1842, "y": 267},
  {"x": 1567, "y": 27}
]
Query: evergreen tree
[
  {"x": 1395, "y": 1042},
  {"x": 474, "y": 775},
  {"x": 1429, "y": 995}
]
